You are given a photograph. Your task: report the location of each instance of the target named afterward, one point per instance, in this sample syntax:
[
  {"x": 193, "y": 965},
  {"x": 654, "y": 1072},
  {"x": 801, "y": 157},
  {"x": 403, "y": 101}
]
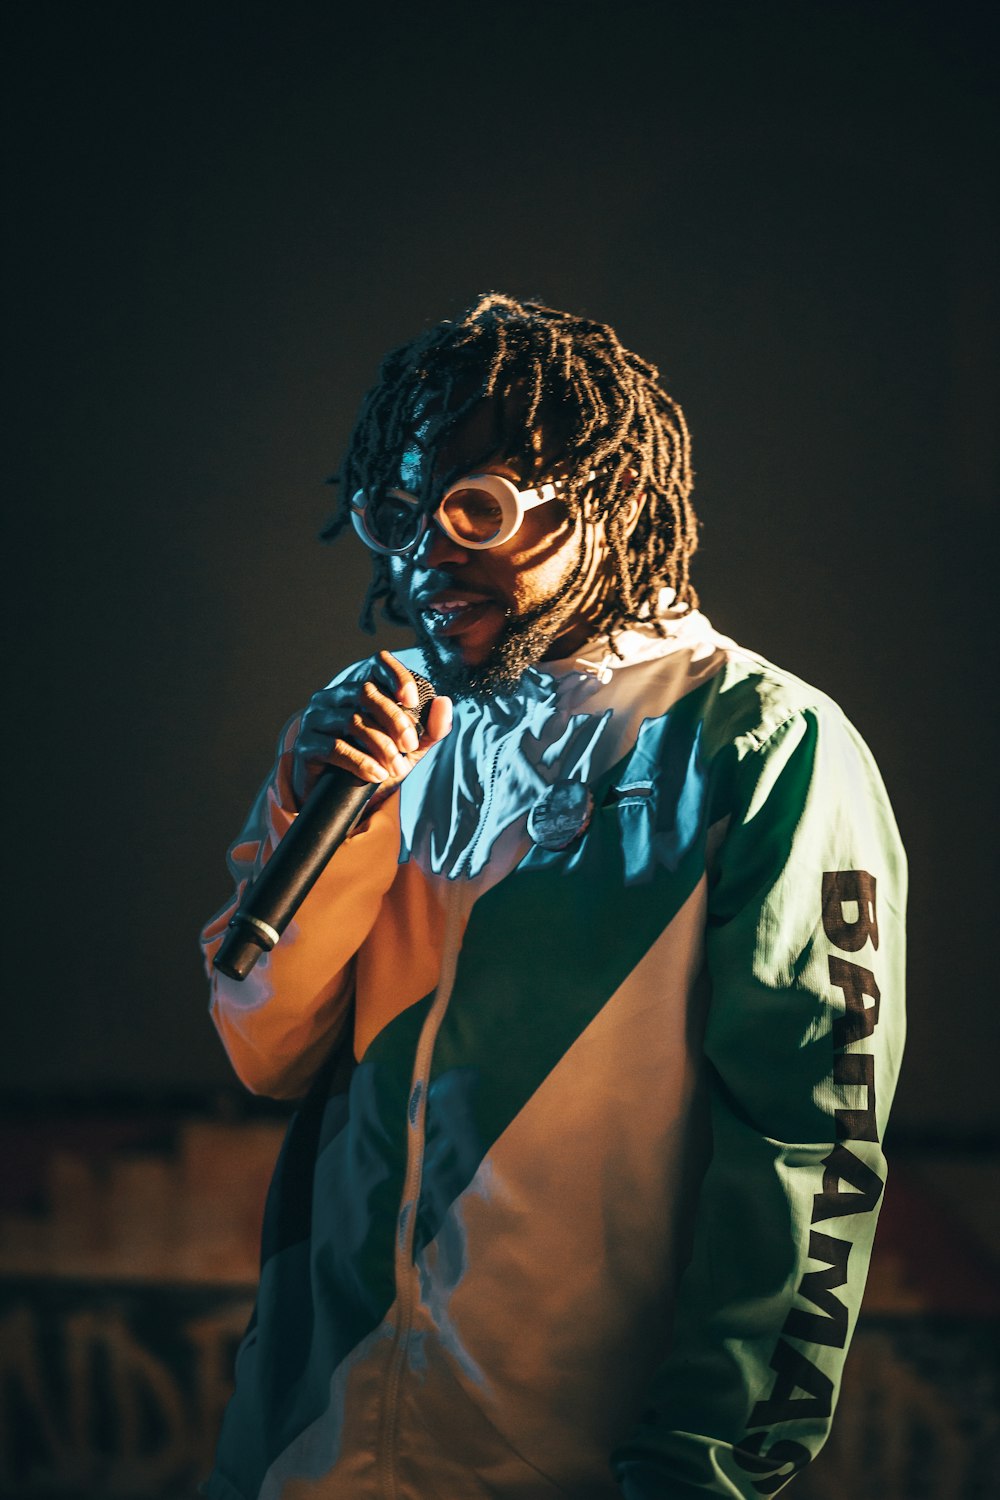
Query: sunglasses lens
[
  {"x": 473, "y": 514},
  {"x": 392, "y": 522}
]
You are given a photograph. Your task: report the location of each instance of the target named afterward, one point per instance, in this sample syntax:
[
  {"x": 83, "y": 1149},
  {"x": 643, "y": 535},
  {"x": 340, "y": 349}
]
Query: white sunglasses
[{"x": 482, "y": 511}]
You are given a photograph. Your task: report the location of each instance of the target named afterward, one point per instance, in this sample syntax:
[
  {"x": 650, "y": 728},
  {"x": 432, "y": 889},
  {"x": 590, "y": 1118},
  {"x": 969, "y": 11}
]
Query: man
[{"x": 596, "y": 1016}]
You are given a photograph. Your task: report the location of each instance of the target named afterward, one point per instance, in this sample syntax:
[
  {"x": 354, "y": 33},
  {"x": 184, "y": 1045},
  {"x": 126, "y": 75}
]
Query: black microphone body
[{"x": 269, "y": 903}]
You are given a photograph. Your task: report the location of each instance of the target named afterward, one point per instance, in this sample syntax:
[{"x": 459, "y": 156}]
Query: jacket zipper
[
  {"x": 406, "y": 1221},
  {"x": 464, "y": 865}
]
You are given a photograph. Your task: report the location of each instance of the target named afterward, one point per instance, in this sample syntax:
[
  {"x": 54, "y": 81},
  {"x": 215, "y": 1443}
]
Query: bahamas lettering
[{"x": 848, "y": 1186}]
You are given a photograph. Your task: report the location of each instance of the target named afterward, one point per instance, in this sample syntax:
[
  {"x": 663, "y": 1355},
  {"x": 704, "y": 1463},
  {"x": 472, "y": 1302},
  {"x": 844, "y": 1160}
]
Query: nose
[{"x": 436, "y": 548}]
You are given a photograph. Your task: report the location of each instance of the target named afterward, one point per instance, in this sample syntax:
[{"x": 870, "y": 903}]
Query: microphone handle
[
  {"x": 331, "y": 810},
  {"x": 333, "y": 807}
]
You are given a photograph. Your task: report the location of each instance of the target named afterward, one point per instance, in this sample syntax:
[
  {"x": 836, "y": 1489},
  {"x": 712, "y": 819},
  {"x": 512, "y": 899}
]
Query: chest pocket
[{"x": 659, "y": 798}]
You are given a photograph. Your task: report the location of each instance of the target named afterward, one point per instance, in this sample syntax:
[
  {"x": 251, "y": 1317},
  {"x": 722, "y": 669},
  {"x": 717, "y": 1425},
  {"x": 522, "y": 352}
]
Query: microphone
[{"x": 270, "y": 902}]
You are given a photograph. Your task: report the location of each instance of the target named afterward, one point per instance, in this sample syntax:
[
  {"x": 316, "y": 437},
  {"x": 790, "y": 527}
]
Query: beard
[
  {"x": 525, "y": 640},
  {"x": 522, "y": 642}
]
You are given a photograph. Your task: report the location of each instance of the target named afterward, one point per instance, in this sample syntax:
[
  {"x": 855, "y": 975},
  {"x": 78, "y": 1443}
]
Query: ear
[{"x": 633, "y": 502}]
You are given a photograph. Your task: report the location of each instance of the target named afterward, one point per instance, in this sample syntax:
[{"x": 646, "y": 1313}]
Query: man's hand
[{"x": 363, "y": 728}]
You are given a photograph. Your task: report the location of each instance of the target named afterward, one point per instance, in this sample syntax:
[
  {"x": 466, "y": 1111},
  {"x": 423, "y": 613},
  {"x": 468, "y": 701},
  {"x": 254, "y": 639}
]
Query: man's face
[{"x": 483, "y": 616}]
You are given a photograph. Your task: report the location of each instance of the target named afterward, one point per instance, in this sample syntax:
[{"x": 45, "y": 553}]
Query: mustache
[{"x": 442, "y": 584}]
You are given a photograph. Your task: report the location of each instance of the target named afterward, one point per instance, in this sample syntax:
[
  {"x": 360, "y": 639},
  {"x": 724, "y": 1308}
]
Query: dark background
[{"x": 221, "y": 215}]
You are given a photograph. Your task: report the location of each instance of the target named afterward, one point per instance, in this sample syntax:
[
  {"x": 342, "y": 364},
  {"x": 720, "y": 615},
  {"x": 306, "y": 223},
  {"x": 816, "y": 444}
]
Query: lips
[
  {"x": 448, "y": 598},
  {"x": 452, "y": 611}
]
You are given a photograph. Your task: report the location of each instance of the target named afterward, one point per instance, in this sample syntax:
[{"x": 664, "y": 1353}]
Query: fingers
[
  {"x": 350, "y": 757},
  {"x": 380, "y": 747},
  {"x": 365, "y": 729},
  {"x": 387, "y": 715},
  {"x": 316, "y": 754},
  {"x": 437, "y": 717},
  {"x": 437, "y": 722},
  {"x": 403, "y": 683},
  {"x": 349, "y": 741}
]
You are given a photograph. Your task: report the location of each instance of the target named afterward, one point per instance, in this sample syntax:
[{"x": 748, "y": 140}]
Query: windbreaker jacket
[{"x": 580, "y": 1196}]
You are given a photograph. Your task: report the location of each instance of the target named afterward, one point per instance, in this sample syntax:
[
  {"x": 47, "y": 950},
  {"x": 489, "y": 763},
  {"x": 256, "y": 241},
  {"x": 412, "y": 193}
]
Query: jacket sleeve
[
  {"x": 805, "y": 1027},
  {"x": 280, "y": 1023}
]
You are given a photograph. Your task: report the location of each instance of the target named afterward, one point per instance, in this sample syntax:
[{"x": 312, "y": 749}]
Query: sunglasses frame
[{"x": 512, "y": 501}]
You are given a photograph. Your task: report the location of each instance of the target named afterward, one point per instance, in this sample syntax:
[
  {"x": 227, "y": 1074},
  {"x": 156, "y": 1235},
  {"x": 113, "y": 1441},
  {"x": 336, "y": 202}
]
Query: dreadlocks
[{"x": 611, "y": 414}]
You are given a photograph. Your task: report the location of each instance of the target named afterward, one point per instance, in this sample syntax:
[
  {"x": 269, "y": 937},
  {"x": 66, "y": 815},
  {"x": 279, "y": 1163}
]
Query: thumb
[{"x": 438, "y": 722}]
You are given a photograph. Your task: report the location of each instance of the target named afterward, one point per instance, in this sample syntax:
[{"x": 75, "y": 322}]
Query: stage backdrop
[{"x": 224, "y": 214}]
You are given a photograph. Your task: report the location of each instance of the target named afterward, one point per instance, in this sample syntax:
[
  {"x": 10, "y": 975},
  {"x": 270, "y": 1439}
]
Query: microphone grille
[{"x": 425, "y": 694}]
